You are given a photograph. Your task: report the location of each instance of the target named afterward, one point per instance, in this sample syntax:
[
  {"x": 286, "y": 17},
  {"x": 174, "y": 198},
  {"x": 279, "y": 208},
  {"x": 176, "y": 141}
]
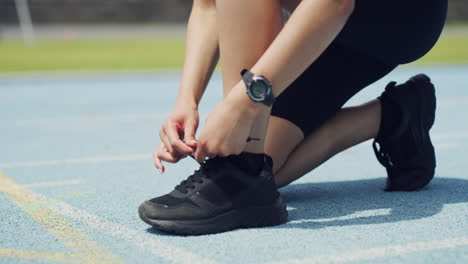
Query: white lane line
[
  {"x": 446, "y": 146},
  {"x": 453, "y": 100},
  {"x": 361, "y": 214},
  {"x": 441, "y": 141},
  {"x": 439, "y": 144},
  {"x": 88, "y": 117},
  {"x": 98, "y": 159},
  {"x": 450, "y": 135},
  {"x": 154, "y": 245},
  {"x": 374, "y": 253},
  {"x": 49, "y": 184},
  {"x": 436, "y": 137}
]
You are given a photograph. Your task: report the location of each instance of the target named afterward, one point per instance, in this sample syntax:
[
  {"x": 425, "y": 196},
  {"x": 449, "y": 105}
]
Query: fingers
[
  {"x": 176, "y": 144},
  {"x": 157, "y": 162},
  {"x": 189, "y": 134},
  {"x": 209, "y": 148},
  {"x": 165, "y": 141},
  {"x": 166, "y": 156},
  {"x": 200, "y": 155},
  {"x": 162, "y": 154},
  {"x": 173, "y": 149},
  {"x": 203, "y": 151}
]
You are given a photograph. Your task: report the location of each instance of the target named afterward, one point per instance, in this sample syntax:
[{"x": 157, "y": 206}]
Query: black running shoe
[
  {"x": 218, "y": 197},
  {"x": 407, "y": 153}
]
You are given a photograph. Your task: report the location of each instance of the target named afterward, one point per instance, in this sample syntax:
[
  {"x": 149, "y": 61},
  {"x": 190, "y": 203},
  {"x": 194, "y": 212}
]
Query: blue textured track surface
[{"x": 78, "y": 148}]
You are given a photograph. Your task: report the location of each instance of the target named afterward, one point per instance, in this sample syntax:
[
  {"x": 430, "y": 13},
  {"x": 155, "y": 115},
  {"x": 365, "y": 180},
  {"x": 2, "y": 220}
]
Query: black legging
[{"x": 377, "y": 37}]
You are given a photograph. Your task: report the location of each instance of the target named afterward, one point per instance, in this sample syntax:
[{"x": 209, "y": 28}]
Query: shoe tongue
[{"x": 251, "y": 163}]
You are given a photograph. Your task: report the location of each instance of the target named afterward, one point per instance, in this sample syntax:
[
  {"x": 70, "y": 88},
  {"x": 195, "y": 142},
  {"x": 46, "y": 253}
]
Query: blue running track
[{"x": 75, "y": 163}]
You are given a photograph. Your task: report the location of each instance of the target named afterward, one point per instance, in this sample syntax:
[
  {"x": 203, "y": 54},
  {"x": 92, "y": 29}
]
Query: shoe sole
[{"x": 254, "y": 216}]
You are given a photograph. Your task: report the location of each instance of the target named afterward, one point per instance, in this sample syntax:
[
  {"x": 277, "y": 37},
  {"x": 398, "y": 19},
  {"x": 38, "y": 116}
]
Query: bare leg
[
  {"x": 242, "y": 42},
  {"x": 246, "y": 29},
  {"x": 349, "y": 127}
]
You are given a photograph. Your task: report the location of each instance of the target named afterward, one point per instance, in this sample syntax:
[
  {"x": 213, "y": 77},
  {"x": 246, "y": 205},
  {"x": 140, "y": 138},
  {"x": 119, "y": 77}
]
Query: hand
[
  {"x": 227, "y": 127},
  {"x": 177, "y": 135}
]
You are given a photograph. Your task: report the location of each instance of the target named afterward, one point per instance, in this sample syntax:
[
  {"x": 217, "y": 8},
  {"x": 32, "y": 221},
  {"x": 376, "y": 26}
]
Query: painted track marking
[
  {"x": 80, "y": 244},
  {"x": 47, "y": 202},
  {"x": 361, "y": 214},
  {"x": 37, "y": 202},
  {"x": 37, "y": 255},
  {"x": 90, "y": 117},
  {"x": 98, "y": 159},
  {"x": 54, "y": 183},
  {"x": 150, "y": 243},
  {"x": 453, "y": 101},
  {"x": 141, "y": 157},
  {"x": 374, "y": 253},
  {"x": 147, "y": 156}
]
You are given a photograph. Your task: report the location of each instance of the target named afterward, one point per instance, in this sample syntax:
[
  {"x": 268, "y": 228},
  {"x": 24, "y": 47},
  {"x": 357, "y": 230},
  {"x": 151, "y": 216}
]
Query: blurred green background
[{"x": 139, "y": 34}]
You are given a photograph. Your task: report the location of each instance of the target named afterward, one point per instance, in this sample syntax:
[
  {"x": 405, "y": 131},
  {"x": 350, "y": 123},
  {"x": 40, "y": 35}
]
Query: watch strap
[
  {"x": 247, "y": 77},
  {"x": 269, "y": 99}
]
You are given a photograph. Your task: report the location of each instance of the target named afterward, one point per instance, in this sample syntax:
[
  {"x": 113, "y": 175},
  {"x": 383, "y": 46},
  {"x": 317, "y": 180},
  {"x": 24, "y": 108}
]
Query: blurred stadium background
[{"x": 135, "y": 34}]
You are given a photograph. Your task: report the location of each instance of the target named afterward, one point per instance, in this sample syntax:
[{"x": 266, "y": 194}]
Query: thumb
[{"x": 189, "y": 134}]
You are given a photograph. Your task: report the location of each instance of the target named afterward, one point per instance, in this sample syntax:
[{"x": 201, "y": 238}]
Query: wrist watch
[{"x": 258, "y": 88}]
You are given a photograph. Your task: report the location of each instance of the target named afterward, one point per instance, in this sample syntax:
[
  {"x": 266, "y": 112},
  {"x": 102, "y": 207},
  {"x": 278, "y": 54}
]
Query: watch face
[{"x": 259, "y": 89}]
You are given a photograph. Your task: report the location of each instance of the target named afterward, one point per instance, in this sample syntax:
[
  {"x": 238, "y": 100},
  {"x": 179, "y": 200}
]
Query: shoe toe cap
[
  {"x": 158, "y": 211},
  {"x": 150, "y": 209}
]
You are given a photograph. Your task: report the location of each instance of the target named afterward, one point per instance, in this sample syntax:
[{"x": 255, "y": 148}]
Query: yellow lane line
[
  {"x": 71, "y": 237},
  {"x": 37, "y": 255},
  {"x": 50, "y": 202}
]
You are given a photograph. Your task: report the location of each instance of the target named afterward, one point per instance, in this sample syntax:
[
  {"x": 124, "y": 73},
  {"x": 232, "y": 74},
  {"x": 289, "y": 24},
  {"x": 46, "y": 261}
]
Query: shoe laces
[{"x": 207, "y": 167}]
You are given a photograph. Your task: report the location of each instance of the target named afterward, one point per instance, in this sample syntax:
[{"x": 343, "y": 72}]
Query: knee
[
  {"x": 345, "y": 7},
  {"x": 290, "y": 5},
  {"x": 211, "y": 4}
]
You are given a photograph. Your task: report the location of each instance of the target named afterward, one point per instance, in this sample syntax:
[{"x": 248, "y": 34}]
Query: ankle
[
  {"x": 390, "y": 118},
  {"x": 255, "y": 145},
  {"x": 252, "y": 163}
]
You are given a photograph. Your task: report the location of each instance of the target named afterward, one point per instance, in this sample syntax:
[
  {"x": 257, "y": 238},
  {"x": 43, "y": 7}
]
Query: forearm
[
  {"x": 201, "y": 53},
  {"x": 311, "y": 28}
]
